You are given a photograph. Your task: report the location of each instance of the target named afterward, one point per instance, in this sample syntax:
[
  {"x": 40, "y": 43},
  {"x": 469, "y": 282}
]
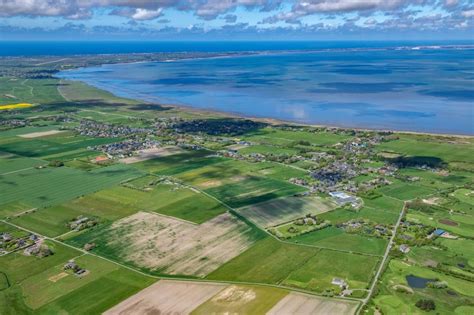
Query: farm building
[
  {"x": 343, "y": 198},
  {"x": 339, "y": 282},
  {"x": 404, "y": 248}
]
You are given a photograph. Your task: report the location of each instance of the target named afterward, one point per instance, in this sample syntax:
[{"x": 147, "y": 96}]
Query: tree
[{"x": 426, "y": 305}]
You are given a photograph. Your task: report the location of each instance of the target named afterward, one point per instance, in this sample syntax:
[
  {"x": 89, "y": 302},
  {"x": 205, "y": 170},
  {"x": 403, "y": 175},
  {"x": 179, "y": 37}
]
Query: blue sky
[{"x": 236, "y": 19}]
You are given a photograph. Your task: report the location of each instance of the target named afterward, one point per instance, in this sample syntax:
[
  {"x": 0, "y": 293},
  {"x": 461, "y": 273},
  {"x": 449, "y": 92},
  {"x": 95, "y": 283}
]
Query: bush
[
  {"x": 426, "y": 305},
  {"x": 56, "y": 163}
]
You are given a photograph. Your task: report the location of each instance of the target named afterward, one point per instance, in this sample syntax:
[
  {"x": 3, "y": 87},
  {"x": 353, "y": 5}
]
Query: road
[{"x": 384, "y": 258}]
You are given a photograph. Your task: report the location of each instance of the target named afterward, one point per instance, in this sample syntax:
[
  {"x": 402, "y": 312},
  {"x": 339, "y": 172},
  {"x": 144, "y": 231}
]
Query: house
[
  {"x": 339, "y": 282},
  {"x": 439, "y": 232},
  {"x": 404, "y": 248},
  {"x": 70, "y": 265}
]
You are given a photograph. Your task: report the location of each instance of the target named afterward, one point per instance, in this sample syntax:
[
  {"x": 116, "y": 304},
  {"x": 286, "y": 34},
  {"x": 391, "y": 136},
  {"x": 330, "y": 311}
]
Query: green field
[
  {"x": 419, "y": 145},
  {"x": 405, "y": 191},
  {"x": 45, "y": 147},
  {"x": 335, "y": 238},
  {"x": 11, "y": 163},
  {"x": 166, "y": 199},
  {"x": 35, "y": 91},
  {"x": 284, "y": 137},
  {"x": 253, "y": 190},
  {"x": 317, "y": 273},
  {"x": 293, "y": 265},
  {"x": 277, "y": 211},
  {"x": 49, "y": 186},
  {"x": 42, "y": 288}
]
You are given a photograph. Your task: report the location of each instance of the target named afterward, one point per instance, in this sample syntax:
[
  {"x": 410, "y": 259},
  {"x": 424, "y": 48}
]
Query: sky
[{"x": 236, "y": 19}]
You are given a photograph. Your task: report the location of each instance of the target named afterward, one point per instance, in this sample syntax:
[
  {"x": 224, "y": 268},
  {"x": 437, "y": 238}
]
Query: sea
[{"x": 408, "y": 86}]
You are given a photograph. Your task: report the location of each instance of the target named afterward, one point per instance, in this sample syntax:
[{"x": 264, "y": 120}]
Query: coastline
[
  {"x": 148, "y": 99},
  {"x": 275, "y": 121}
]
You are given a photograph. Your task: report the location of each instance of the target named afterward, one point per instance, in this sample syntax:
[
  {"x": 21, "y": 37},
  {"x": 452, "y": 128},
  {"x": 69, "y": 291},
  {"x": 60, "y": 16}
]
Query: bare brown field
[
  {"x": 297, "y": 303},
  {"x": 167, "y": 297},
  {"x": 177, "y": 247},
  {"x": 149, "y": 154},
  {"x": 41, "y": 134}
]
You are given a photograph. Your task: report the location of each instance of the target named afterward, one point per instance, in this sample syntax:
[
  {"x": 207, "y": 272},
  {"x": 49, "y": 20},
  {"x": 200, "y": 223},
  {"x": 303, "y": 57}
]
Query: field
[
  {"x": 29, "y": 91},
  {"x": 168, "y": 199},
  {"x": 49, "y": 186},
  {"x": 419, "y": 145},
  {"x": 10, "y": 163},
  {"x": 252, "y": 190},
  {"x": 335, "y": 238},
  {"x": 167, "y": 297},
  {"x": 242, "y": 300},
  {"x": 298, "y": 266},
  {"x": 405, "y": 191},
  {"x": 278, "y": 211},
  {"x": 15, "y": 106},
  {"x": 52, "y": 146},
  {"x": 283, "y": 137},
  {"x": 41, "y": 286},
  {"x": 296, "y": 303},
  {"x": 149, "y": 154},
  {"x": 172, "y": 246},
  {"x": 317, "y": 273}
]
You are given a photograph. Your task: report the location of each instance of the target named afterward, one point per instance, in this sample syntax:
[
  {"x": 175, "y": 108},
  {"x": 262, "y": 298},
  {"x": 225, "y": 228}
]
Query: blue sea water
[
  {"x": 429, "y": 89},
  {"x": 37, "y": 48}
]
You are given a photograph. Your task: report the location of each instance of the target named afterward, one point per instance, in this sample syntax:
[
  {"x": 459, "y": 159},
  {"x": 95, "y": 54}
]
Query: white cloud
[{"x": 468, "y": 13}]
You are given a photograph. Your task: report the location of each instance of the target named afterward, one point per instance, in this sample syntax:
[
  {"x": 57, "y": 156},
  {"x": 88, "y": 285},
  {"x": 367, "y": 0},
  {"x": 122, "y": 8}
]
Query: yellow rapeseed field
[{"x": 13, "y": 106}]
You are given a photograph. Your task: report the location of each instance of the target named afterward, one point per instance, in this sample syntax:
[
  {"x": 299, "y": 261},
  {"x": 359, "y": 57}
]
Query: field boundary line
[
  {"x": 17, "y": 171},
  {"x": 169, "y": 217}
]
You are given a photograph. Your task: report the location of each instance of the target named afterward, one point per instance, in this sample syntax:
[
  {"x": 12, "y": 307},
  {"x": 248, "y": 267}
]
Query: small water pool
[{"x": 417, "y": 282}]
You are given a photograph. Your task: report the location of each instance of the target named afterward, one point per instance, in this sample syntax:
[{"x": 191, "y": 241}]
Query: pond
[{"x": 417, "y": 282}]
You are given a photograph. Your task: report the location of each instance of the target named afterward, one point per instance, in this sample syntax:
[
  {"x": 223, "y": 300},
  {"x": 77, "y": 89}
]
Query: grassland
[
  {"x": 335, "y": 238},
  {"x": 252, "y": 190},
  {"x": 52, "y": 146},
  {"x": 421, "y": 145},
  {"x": 277, "y": 211},
  {"x": 167, "y": 199},
  {"x": 29, "y": 91},
  {"x": 49, "y": 186},
  {"x": 299, "y": 266},
  {"x": 38, "y": 289}
]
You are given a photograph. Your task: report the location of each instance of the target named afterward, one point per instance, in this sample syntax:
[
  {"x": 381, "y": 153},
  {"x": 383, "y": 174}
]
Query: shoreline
[{"x": 274, "y": 121}]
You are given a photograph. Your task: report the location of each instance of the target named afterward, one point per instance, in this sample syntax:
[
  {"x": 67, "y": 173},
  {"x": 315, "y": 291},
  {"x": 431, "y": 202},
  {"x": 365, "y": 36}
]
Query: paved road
[{"x": 384, "y": 258}]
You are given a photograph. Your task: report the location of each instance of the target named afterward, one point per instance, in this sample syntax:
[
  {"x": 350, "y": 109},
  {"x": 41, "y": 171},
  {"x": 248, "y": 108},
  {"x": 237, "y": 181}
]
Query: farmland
[
  {"x": 162, "y": 209},
  {"x": 277, "y": 211},
  {"x": 167, "y": 245}
]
